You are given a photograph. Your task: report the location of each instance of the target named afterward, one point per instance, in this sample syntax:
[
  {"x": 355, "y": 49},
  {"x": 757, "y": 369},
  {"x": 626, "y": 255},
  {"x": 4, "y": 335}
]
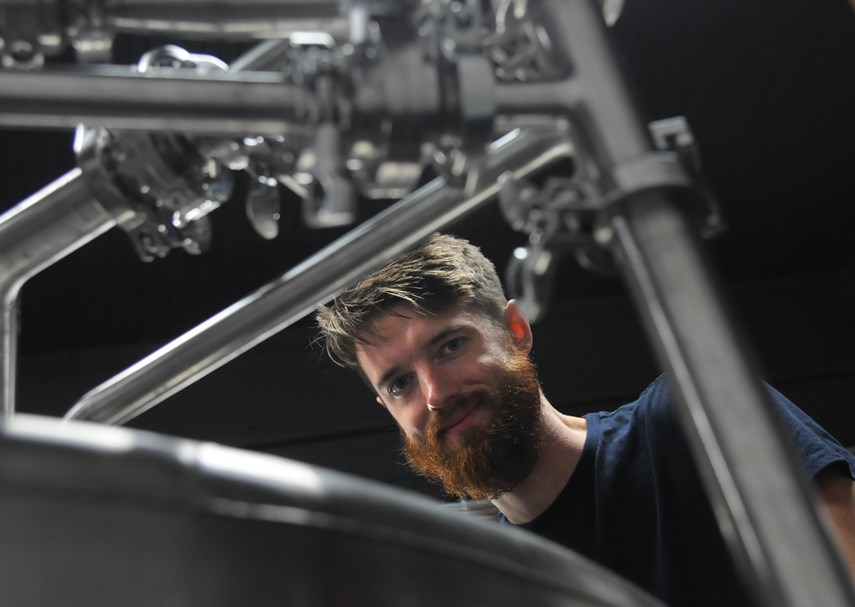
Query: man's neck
[{"x": 563, "y": 438}]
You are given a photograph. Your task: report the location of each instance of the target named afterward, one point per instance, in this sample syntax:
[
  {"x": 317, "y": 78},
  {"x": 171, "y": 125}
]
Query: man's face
[{"x": 464, "y": 394}]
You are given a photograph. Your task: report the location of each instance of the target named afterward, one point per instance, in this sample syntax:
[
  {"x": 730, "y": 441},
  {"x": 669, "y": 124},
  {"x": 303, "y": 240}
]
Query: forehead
[{"x": 403, "y": 317}]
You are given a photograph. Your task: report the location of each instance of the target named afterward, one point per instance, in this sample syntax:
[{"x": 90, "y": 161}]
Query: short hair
[{"x": 444, "y": 271}]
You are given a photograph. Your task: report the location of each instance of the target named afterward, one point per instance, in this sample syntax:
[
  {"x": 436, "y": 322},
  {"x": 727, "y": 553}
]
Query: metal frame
[
  {"x": 301, "y": 290},
  {"x": 38, "y": 232},
  {"x": 772, "y": 526}
]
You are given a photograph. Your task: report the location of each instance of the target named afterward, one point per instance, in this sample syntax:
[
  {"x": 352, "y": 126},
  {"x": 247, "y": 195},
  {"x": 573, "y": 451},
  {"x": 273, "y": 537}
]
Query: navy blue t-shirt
[{"x": 635, "y": 503}]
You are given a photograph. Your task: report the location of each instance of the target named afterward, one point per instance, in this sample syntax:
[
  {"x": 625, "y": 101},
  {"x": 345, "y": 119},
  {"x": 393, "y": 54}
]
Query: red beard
[{"x": 494, "y": 459}]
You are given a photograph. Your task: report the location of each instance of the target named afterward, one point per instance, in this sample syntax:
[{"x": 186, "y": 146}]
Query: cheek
[
  {"x": 408, "y": 420},
  {"x": 491, "y": 366}
]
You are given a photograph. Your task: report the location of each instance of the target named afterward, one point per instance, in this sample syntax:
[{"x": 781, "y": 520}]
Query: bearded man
[{"x": 448, "y": 356}]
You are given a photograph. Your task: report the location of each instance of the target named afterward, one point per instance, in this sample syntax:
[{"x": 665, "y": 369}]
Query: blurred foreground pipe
[{"x": 756, "y": 484}]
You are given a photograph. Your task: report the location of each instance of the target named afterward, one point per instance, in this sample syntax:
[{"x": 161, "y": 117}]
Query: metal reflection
[{"x": 392, "y": 92}]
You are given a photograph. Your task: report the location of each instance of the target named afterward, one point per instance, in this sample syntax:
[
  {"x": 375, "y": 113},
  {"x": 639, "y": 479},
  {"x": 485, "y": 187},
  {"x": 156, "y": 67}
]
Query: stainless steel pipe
[
  {"x": 763, "y": 504},
  {"x": 233, "y": 20},
  {"x": 38, "y": 232},
  {"x": 230, "y": 103},
  {"x": 314, "y": 282},
  {"x": 53, "y": 223},
  {"x": 757, "y": 487}
]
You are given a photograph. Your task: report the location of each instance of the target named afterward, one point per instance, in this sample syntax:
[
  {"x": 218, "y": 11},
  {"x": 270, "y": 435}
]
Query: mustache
[{"x": 453, "y": 408}]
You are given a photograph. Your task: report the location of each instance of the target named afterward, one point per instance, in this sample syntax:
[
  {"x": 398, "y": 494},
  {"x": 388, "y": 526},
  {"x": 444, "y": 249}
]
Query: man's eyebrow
[
  {"x": 389, "y": 374},
  {"x": 443, "y": 335},
  {"x": 387, "y": 377}
]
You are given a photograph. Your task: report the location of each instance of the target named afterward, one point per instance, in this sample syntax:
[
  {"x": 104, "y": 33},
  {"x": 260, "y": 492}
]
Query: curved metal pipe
[
  {"x": 38, "y": 232},
  {"x": 312, "y": 283},
  {"x": 51, "y": 224}
]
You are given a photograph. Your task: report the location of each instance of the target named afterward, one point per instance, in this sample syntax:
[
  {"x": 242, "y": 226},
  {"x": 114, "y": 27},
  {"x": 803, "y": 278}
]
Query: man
[{"x": 447, "y": 356}]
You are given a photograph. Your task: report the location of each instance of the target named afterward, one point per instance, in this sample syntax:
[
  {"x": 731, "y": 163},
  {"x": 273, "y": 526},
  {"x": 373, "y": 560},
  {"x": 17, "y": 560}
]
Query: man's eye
[
  {"x": 398, "y": 386},
  {"x": 453, "y": 345}
]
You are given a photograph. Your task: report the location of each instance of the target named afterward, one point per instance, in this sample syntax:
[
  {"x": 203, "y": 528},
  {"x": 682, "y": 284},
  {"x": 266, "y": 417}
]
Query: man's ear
[{"x": 517, "y": 325}]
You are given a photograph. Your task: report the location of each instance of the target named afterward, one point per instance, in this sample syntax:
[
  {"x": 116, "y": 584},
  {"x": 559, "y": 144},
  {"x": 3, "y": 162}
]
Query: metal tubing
[
  {"x": 763, "y": 504},
  {"x": 312, "y": 283},
  {"x": 755, "y": 482},
  {"x": 263, "y": 56},
  {"x": 595, "y": 92},
  {"x": 230, "y": 103},
  {"x": 38, "y": 232},
  {"x": 234, "y": 20},
  {"x": 53, "y": 223}
]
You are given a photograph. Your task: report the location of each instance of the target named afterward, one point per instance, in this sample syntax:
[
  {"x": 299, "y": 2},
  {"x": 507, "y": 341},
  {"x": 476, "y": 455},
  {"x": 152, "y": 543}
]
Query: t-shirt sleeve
[{"x": 817, "y": 448}]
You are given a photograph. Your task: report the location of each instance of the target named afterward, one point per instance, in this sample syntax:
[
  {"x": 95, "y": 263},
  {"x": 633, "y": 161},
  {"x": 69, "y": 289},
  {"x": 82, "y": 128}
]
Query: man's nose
[{"x": 435, "y": 387}]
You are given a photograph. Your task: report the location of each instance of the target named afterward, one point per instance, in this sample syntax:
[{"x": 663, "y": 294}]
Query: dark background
[{"x": 768, "y": 87}]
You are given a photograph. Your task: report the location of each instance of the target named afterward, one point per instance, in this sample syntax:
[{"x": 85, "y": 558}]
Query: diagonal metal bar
[{"x": 301, "y": 290}]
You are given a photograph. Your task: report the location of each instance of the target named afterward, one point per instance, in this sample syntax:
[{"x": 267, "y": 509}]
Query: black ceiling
[{"x": 769, "y": 90}]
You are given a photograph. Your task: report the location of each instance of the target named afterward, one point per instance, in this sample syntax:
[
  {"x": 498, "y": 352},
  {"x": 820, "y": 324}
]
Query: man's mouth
[{"x": 461, "y": 419}]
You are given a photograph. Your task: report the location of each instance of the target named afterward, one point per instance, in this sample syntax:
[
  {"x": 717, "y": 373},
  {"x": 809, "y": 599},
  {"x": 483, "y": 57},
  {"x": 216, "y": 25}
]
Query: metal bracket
[
  {"x": 571, "y": 214},
  {"x": 159, "y": 187}
]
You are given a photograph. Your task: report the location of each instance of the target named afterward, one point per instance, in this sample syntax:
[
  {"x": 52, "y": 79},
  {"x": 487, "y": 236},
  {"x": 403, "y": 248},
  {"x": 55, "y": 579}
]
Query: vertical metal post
[
  {"x": 754, "y": 481},
  {"x": 757, "y": 490}
]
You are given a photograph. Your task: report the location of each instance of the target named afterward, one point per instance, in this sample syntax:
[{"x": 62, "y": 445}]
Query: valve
[{"x": 159, "y": 186}]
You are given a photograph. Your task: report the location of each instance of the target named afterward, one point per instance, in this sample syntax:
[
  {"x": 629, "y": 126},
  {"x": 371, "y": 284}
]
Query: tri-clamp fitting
[{"x": 571, "y": 214}]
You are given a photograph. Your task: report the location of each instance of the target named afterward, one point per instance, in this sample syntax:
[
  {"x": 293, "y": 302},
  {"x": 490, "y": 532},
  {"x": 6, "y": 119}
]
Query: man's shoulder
[
  {"x": 640, "y": 435},
  {"x": 652, "y": 407}
]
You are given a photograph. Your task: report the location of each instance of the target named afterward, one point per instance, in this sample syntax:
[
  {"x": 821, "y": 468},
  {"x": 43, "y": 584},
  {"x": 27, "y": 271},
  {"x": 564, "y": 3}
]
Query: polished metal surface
[
  {"x": 30, "y": 30},
  {"x": 455, "y": 96},
  {"x": 232, "y": 103},
  {"x": 302, "y": 289},
  {"x": 36, "y": 233},
  {"x": 100, "y": 516},
  {"x": 244, "y": 19},
  {"x": 765, "y": 508},
  {"x": 59, "y": 219}
]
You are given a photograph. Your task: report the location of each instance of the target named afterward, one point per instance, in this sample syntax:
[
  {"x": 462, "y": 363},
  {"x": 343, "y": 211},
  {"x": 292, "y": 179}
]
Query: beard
[{"x": 494, "y": 459}]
